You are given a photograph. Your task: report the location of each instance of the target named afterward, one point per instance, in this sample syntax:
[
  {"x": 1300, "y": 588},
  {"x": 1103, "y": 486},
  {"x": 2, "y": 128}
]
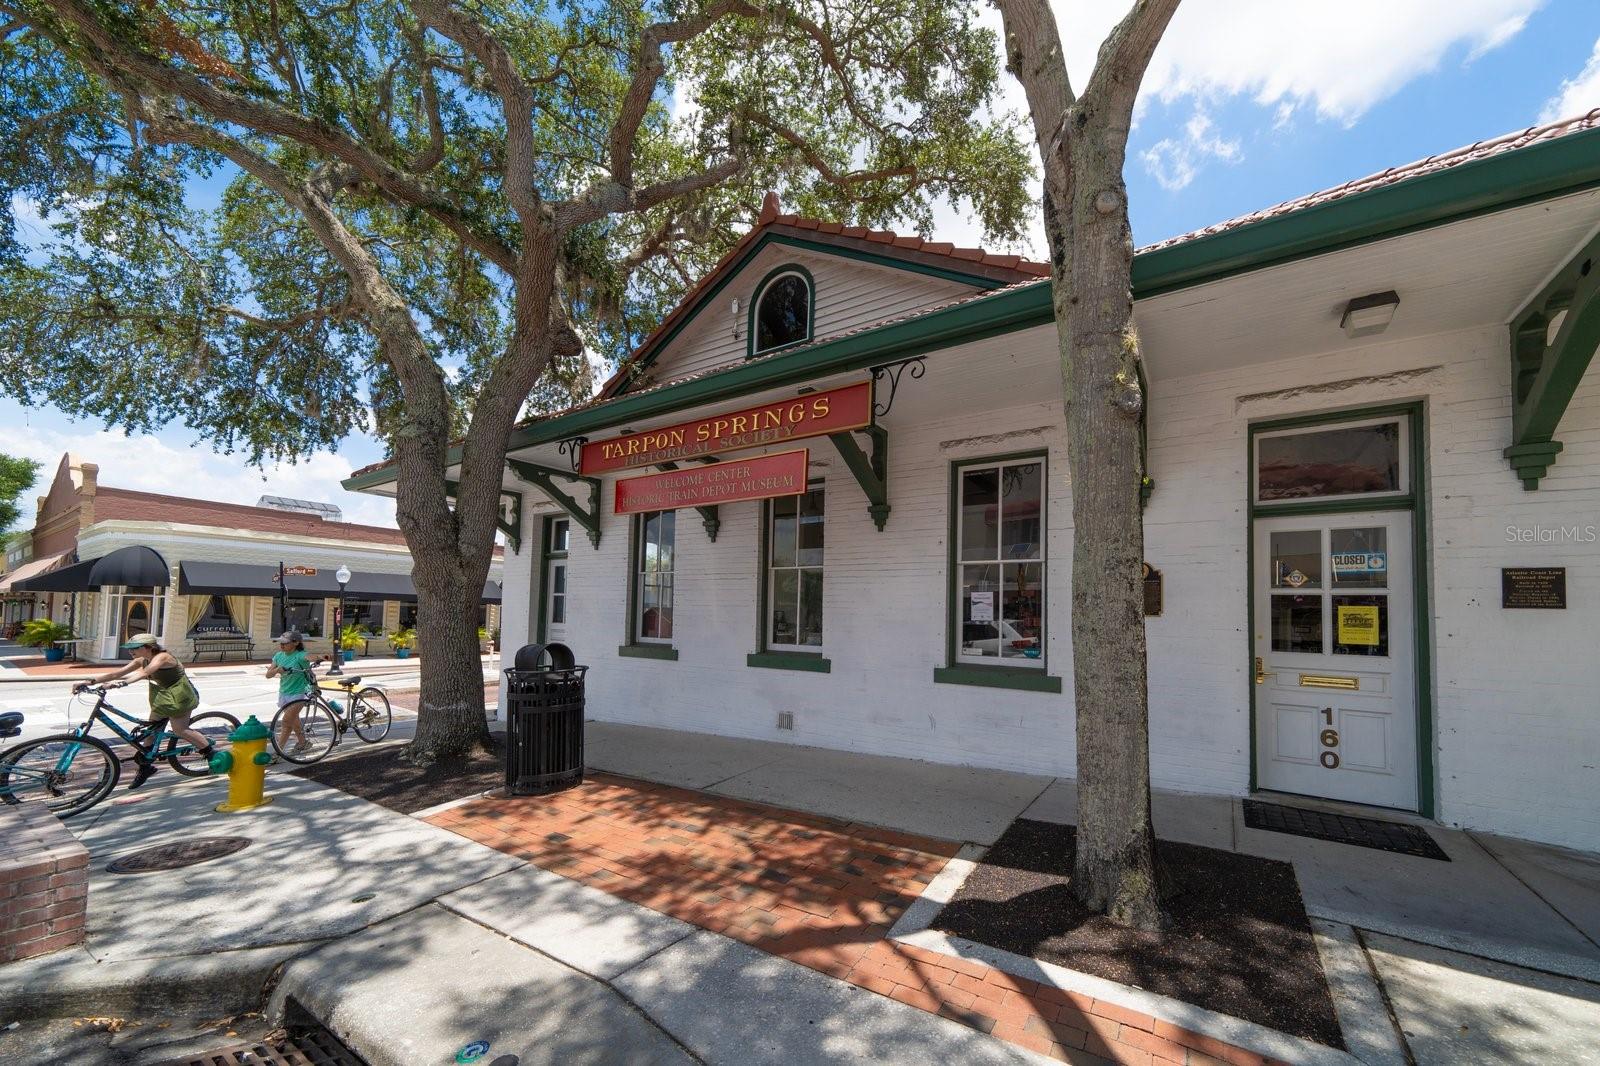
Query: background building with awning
[{"x": 114, "y": 562}]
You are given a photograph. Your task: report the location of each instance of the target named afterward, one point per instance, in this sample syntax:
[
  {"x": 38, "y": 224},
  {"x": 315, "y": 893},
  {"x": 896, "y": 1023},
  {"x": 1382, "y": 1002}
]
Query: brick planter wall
[{"x": 44, "y": 883}]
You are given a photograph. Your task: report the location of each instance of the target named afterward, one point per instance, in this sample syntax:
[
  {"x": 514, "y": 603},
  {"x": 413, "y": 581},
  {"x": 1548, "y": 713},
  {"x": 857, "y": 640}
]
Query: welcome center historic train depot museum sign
[{"x": 783, "y": 474}]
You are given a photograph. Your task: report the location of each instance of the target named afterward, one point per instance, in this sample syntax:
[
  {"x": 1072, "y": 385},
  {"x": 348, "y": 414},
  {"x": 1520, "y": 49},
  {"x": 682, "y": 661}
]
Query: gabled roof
[
  {"x": 1538, "y": 163},
  {"x": 973, "y": 266}
]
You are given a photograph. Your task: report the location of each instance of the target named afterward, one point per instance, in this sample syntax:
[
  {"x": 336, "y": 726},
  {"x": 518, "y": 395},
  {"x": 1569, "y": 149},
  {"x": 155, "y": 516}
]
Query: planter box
[
  {"x": 54, "y": 655},
  {"x": 402, "y": 653},
  {"x": 349, "y": 656}
]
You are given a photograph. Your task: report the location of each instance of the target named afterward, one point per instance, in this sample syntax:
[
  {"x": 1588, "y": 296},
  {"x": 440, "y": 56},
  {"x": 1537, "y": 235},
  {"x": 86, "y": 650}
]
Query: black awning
[
  {"x": 244, "y": 579},
  {"x": 136, "y": 567}
]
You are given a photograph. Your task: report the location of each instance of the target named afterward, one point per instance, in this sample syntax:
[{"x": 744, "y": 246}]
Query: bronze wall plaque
[
  {"x": 1534, "y": 587},
  {"x": 1152, "y": 590}
]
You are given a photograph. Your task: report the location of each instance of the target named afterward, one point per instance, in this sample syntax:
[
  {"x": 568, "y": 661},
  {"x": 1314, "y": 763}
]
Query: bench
[{"x": 222, "y": 644}]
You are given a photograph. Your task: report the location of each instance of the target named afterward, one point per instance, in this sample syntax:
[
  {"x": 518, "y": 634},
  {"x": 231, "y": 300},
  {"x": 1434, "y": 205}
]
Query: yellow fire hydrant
[{"x": 246, "y": 766}]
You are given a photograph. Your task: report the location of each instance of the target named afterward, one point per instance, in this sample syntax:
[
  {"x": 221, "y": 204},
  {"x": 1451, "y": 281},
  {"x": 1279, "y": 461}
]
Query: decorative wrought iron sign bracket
[
  {"x": 571, "y": 448},
  {"x": 871, "y": 472},
  {"x": 891, "y": 372},
  {"x": 544, "y": 478}
]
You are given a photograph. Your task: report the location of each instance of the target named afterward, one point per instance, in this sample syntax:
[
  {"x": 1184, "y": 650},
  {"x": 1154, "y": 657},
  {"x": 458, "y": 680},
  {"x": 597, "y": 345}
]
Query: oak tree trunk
[{"x": 1082, "y": 143}]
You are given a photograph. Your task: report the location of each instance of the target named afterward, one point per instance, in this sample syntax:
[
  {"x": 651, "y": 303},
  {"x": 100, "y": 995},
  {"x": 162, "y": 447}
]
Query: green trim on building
[
  {"x": 813, "y": 662},
  {"x": 1510, "y": 179},
  {"x": 755, "y": 301},
  {"x": 953, "y": 569},
  {"x": 1022, "y": 680},
  {"x": 648, "y": 651}
]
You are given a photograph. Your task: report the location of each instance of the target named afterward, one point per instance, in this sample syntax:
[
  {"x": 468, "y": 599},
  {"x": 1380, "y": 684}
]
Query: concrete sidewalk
[
  {"x": 1448, "y": 944},
  {"x": 412, "y": 942}
]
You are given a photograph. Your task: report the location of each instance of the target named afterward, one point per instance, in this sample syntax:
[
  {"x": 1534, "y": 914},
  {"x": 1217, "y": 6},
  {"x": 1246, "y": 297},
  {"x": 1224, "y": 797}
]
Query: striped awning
[{"x": 33, "y": 568}]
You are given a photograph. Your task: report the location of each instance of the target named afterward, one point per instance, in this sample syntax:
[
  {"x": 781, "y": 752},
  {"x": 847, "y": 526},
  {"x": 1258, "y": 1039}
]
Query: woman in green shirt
[
  {"x": 172, "y": 695},
  {"x": 292, "y": 667}
]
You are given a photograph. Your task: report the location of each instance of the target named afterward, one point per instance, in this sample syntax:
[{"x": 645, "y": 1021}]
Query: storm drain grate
[
  {"x": 177, "y": 856},
  {"x": 310, "y": 1047},
  {"x": 1343, "y": 829}
]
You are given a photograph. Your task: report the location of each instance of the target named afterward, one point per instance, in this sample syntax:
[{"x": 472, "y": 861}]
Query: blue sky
[{"x": 1248, "y": 102}]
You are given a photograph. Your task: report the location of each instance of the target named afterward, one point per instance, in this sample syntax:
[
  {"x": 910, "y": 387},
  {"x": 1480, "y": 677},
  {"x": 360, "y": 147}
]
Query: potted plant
[
  {"x": 402, "y": 641},
  {"x": 484, "y": 646},
  {"x": 350, "y": 641},
  {"x": 46, "y": 634}
]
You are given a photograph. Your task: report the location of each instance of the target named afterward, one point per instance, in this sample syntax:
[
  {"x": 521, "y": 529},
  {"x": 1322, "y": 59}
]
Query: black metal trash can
[{"x": 544, "y": 727}]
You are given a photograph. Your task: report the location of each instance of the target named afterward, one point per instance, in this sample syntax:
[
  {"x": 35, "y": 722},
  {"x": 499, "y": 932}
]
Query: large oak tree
[
  {"x": 1082, "y": 140},
  {"x": 282, "y": 223}
]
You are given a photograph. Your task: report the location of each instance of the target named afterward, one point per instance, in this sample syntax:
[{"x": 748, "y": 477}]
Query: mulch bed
[
  {"x": 377, "y": 774},
  {"x": 1239, "y": 941}
]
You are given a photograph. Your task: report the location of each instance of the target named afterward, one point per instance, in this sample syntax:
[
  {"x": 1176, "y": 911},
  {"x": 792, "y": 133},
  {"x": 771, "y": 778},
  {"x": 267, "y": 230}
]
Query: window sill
[
  {"x": 648, "y": 651},
  {"x": 997, "y": 677},
  {"x": 790, "y": 660}
]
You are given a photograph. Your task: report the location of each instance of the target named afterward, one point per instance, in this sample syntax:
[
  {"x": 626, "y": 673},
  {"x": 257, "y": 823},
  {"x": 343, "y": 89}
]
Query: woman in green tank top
[{"x": 172, "y": 695}]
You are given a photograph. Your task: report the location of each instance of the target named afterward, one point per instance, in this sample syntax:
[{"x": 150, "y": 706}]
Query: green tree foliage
[
  {"x": 17, "y": 476},
  {"x": 278, "y": 223},
  {"x": 172, "y": 286}
]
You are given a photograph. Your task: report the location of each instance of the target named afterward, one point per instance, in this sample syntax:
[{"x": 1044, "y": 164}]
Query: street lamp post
[{"x": 341, "y": 575}]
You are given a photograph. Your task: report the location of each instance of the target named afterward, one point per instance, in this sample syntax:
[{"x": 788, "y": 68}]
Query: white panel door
[{"x": 1335, "y": 668}]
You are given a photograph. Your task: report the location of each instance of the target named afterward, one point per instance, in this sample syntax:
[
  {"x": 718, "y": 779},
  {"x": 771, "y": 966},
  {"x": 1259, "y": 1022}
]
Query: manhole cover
[{"x": 177, "y": 856}]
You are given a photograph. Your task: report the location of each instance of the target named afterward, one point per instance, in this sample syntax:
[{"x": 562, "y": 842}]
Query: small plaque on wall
[
  {"x": 1533, "y": 587},
  {"x": 1152, "y": 590}
]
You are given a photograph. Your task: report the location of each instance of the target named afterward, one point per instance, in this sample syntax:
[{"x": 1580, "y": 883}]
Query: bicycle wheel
[
  {"x": 215, "y": 726},
  {"x": 32, "y": 770},
  {"x": 317, "y": 723},
  {"x": 370, "y": 714}
]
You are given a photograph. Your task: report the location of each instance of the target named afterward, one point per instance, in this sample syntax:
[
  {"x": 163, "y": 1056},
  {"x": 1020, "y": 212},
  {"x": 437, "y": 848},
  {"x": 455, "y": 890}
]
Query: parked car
[{"x": 1021, "y": 644}]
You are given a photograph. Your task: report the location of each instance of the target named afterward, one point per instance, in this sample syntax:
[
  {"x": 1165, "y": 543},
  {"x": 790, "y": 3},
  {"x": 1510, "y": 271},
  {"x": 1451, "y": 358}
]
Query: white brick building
[{"x": 1374, "y": 439}]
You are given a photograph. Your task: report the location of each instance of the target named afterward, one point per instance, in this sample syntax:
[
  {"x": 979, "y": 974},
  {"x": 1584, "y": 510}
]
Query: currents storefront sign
[
  {"x": 763, "y": 477},
  {"x": 834, "y": 411}
]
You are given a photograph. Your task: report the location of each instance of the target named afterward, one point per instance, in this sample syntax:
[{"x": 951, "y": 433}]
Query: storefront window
[
  {"x": 304, "y": 615},
  {"x": 794, "y": 571},
  {"x": 999, "y": 611},
  {"x": 653, "y": 572},
  {"x": 365, "y": 615},
  {"x": 218, "y": 614},
  {"x": 783, "y": 313}
]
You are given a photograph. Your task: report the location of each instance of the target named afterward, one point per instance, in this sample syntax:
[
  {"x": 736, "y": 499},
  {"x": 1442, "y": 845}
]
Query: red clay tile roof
[
  {"x": 1509, "y": 142},
  {"x": 133, "y": 506},
  {"x": 1444, "y": 161}
]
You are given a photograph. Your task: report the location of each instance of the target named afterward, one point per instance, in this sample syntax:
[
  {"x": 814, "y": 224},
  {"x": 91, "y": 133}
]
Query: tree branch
[
  {"x": 1125, "y": 54},
  {"x": 266, "y": 118},
  {"x": 609, "y": 198},
  {"x": 1033, "y": 55}
]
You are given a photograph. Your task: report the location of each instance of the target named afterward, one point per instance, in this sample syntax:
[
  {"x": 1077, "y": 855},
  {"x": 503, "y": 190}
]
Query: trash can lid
[{"x": 545, "y": 657}]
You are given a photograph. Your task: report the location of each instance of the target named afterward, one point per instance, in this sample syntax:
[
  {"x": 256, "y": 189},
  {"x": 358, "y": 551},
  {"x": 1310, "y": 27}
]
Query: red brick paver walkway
[{"x": 815, "y": 890}]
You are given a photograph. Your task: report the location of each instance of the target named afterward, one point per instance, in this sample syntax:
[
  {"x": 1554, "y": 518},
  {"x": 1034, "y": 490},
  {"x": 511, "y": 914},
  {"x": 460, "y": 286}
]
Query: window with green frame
[
  {"x": 998, "y": 615},
  {"x": 794, "y": 543},
  {"x": 653, "y": 576}
]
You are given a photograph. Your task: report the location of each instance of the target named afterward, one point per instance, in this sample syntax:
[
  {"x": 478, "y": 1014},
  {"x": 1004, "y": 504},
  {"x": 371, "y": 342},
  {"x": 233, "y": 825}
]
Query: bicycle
[
  {"x": 324, "y": 722},
  {"x": 74, "y": 771}
]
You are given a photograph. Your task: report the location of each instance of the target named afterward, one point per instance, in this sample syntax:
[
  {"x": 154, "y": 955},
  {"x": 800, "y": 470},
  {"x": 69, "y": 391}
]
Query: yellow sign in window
[{"x": 1358, "y": 625}]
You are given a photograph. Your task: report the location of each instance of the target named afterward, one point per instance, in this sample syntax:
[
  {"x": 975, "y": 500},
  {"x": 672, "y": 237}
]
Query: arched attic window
[{"x": 781, "y": 313}]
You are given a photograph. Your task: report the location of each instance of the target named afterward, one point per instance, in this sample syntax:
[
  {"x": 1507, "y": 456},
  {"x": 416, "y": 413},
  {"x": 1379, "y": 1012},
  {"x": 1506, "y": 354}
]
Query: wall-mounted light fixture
[
  {"x": 805, "y": 390},
  {"x": 735, "y": 311},
  {"x": 1367, "y": 316}
]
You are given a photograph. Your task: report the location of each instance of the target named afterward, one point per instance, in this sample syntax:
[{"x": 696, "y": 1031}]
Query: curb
[{"x": 71, "y": 984}]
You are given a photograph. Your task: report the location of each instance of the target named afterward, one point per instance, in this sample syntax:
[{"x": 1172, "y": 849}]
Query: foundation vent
[{"x": 786, "y": 720}]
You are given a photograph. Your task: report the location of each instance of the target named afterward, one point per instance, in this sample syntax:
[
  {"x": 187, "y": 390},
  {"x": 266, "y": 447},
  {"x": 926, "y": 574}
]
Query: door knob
[{"x": 1261, "y": 672}]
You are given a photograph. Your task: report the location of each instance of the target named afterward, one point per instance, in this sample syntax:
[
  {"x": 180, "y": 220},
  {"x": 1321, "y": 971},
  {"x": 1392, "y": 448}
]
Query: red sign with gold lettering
[
  {"x": 834, "y": 411},
  {"x": 760, "y": 478}
]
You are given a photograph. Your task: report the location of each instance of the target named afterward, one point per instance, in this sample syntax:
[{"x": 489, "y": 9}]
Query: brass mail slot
[{"x": 1325, "y": 681}]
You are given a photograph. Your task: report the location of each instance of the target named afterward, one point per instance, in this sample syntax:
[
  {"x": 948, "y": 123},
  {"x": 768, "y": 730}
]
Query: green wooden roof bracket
[
  {"x": 871, "y": 473},
  {"x": 1546, "y": 369},
  {"x": 544, "y": 477},
  {"x": 508, "y": 521},
  {"x": 709, "y": 516}
]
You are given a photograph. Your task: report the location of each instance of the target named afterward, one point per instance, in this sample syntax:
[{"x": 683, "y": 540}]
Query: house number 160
[{"x": 1330, "y": 741}]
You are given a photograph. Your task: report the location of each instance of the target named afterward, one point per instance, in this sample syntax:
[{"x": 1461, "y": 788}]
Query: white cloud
[
  {"x": 148, "y": 464},
  {"x": 1174, "y": 161},
  {"x": 1578, "y": 94},
  {"x": 1333, "y": 61}
]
